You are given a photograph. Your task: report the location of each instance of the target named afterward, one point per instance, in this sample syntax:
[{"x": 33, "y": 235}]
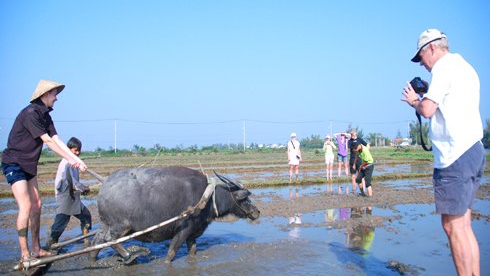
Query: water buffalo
[{"x": 132, "y": 200}]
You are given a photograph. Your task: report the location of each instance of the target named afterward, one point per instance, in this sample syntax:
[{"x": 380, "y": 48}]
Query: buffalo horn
[{"x": 228, "y": 181}]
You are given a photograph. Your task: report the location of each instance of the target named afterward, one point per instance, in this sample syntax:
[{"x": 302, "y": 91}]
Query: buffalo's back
[{"x": 142, "y": 197}]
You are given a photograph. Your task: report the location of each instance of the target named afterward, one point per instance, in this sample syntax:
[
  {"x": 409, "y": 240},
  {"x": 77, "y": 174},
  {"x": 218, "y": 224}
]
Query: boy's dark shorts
[
  {"x": 455, "y": 187},
  {"x": 14, "y": 173},
  {"x": 351, "y": 164},
  {"x": 367, "y": 174}
]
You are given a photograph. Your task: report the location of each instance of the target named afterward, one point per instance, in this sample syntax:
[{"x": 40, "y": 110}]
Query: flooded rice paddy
[
  {"x": 382, "y": 168},
  {"x": 368, "y": 239}
]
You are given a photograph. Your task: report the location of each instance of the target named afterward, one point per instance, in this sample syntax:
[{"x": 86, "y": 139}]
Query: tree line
[
  {"x": 415, "y": 133},
  {"x": 313, "y": 142}
]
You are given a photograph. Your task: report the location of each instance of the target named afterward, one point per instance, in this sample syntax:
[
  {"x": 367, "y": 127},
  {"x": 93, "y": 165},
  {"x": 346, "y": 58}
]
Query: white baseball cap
[
  {"x": 293, "y": 134},
  {"x": 425, "y": 38}
]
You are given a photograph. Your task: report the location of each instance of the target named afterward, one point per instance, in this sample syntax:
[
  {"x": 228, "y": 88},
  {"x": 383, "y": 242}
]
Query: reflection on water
[
  {"x": 294, "y": 219},
  {"x": 362, "y": 236},
  {"x": 329, "y": 188},
  {"x": 337, "y": 187},
  {"x": 331, "y": 215}
]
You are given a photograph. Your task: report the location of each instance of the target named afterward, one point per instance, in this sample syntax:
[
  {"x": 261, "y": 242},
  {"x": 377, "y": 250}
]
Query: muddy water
[{"x": 372, "y": 240}]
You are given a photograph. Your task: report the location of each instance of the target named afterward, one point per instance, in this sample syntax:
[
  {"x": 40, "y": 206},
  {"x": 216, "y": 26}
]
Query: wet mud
[{"x": 231, "y": 253}]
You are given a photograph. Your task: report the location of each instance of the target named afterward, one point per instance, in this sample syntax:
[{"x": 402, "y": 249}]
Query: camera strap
[
  {"x": 421, "y": 136},
  {"x": 293, "y": 144}
]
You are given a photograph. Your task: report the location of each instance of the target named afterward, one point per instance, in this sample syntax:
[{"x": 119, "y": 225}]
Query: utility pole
[
  {"x": 115, "y": 135},
  {"x": 408, "y": 129},
  {"x": 331, "y": 134},
  {"x": 244, "y": 135}
]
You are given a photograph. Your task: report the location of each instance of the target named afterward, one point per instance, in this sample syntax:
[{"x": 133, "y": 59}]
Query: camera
[
  {"x": 419, "y": 85},
  {"x": 297, "y": 156}
]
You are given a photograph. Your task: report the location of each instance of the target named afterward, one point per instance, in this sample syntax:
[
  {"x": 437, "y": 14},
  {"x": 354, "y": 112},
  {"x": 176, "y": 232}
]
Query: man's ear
[{"x": 432, "y": 48}]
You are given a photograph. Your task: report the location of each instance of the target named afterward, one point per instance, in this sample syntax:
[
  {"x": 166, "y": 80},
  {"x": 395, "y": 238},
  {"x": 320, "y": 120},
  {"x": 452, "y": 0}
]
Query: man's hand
[
  {"x": 411, "y": 97},
  {"x": 77, "y": 163}
]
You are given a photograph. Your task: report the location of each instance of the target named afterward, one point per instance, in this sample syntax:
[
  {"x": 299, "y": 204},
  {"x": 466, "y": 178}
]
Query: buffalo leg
[
  {"x": 191, "y": 242},
  {"x": 98, "y": 239},
  {"x": 191, "y": 247},
  {"x": 177, "y": 241}
]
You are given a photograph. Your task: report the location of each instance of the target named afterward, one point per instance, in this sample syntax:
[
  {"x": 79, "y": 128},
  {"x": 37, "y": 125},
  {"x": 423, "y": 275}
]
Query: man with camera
[{"x": 452, "y": 103}]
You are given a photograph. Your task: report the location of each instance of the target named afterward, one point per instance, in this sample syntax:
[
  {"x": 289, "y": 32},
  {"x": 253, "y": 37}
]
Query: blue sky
[{"x": 204, "y": 72}]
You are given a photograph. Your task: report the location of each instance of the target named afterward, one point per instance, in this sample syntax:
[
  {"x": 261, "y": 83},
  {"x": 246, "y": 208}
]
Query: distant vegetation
[
  {"x": 313, "y": 142},
  {"x": 486, "y": 135},
  {"x": 313, "y": 145}
]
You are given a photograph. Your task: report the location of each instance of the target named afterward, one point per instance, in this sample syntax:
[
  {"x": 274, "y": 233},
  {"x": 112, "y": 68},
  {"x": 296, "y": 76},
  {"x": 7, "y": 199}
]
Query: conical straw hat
[{"x": 45, "y": 86}]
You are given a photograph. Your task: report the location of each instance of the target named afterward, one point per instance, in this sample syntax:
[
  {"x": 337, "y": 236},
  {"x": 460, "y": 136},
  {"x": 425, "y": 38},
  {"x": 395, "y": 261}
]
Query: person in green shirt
[{"x": 366, "y": 169}]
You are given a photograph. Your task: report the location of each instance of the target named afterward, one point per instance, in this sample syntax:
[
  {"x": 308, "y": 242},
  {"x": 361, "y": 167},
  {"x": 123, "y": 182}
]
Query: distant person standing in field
[
  {"x": 68, "y": 190},
  {"x": 452, "y": 102},
  {"x": 32, "y": 128},
  {"x": 294, "y": 157},
  {"x": 328, "y": 148},
  {"x": 352, "y": 145},
  {"x": 342, "y": 152}
]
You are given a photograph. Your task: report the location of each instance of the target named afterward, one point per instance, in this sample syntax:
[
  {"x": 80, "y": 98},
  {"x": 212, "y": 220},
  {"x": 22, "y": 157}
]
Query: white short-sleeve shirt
[
  {"x": 293, "y": 151},
  {"x": 456, "y": 124}
]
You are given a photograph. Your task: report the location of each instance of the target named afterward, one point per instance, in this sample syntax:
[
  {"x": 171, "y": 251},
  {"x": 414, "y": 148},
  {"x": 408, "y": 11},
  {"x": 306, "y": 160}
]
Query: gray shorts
[
  {"x": 342, "y": 158},
  {"x": 455, "y": 187}
]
